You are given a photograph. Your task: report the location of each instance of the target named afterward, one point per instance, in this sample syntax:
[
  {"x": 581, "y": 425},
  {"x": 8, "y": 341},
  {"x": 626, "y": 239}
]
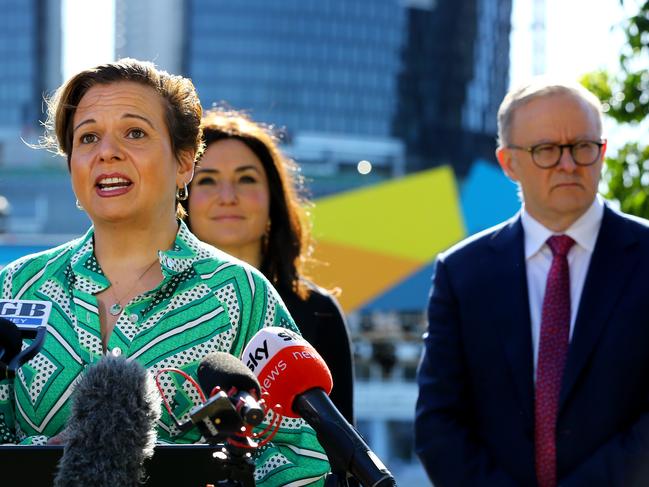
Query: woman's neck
[
  {"x": 118, "y": 248},
  {"x": 248, "y": 253}
]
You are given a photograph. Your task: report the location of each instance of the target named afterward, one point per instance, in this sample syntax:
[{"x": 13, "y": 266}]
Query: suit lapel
[
  {"x": 509, "y": 308},
  {"x": 611, "y": 257}
]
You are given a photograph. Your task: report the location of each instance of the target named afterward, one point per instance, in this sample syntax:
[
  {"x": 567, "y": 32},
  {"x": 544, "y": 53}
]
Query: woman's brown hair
[{"x": 287, "y": 244}]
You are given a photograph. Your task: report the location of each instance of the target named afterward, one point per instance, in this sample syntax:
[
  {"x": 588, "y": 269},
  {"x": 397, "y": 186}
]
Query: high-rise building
[
  {"x": 420, "y": 78},
  {"x": 325, "y": 71},
  {"x": 150, "y": 30},
  {"x": 326, "y": 66},
  {"x": 30, "y": 67},
  {"x": 455, "y": 73}
]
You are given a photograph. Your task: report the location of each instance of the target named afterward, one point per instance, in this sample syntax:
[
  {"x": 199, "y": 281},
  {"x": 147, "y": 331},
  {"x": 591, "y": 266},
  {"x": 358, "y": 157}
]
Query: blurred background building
[
  {"x": 454, "y": 73},
  {"x": 30, "y": 65},
  {"x": 324, "y": 72},
  {"x": 345, "y": 79},
  {"x": 151, "y": 30}
]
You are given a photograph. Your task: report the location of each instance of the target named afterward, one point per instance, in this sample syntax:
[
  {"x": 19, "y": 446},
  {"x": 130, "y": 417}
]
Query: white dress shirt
[{"x": 538, "y": 258}]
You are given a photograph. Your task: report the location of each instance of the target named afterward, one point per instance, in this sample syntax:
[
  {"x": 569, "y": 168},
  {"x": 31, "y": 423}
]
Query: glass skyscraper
[
  {"x": 150, "y": 30},
  {"x": 30, "y": 66},
  {"x": 30, "y": 60},
  {"x": 324, "y": 66},
  {"x": 418, "y": 80},
  {"x": 454, "y": 74}
]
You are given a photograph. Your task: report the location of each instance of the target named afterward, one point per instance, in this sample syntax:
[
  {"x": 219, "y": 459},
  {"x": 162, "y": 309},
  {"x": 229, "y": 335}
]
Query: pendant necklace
[{"x": 116, "y": 308}]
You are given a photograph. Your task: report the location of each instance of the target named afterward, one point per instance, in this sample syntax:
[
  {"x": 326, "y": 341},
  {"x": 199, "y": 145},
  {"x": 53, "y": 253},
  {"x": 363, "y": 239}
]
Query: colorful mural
[
  {"x": 378, "y": 243},
  {"x": 375, "y": 237}
]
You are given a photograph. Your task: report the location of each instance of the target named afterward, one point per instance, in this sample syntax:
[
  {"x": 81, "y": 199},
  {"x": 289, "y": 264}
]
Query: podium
[{"x": 177, "y": 465}]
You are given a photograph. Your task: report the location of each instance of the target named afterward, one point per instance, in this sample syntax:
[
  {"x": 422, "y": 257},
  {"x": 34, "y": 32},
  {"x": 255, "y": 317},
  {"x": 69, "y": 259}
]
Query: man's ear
[{"x": 506, "y": 162}]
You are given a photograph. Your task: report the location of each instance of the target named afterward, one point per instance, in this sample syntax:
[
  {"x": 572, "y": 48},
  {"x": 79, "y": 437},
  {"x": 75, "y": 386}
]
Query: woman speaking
[{"x": 138, "y": 283}]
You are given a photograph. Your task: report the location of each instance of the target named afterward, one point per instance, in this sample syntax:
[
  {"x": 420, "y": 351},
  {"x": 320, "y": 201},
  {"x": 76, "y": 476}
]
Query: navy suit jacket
[{"x": 475, "y": 413}]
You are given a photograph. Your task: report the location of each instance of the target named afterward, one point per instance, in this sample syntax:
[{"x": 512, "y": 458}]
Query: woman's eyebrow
[{"x": 126, "y": 115}]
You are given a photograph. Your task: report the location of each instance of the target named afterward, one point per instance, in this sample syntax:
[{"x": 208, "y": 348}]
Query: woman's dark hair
[
  {"x": 183, "y": 110},
  {"x": 287, "y": 245}
]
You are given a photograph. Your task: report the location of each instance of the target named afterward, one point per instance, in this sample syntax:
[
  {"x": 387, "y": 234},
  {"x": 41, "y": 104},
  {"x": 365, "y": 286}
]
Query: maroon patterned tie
[{"x": 553, "y": 350}]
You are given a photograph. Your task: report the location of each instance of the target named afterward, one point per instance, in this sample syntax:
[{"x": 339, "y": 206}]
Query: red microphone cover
[{"x": 286, "y": 365}]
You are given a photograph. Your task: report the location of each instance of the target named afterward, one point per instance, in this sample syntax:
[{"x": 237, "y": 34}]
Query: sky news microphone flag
[{"x": 296, "y": 379}]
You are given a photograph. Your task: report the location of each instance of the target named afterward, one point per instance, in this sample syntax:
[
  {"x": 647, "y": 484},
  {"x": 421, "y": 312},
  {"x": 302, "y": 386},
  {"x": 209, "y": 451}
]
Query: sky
[
  {"x": 88, "y": 34},
  {"x": 580, "y": 36}
]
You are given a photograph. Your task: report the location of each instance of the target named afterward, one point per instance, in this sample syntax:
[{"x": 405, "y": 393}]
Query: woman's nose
[
  {"x": 109, "y": 149},
  {"x": 227, "y": 193}
]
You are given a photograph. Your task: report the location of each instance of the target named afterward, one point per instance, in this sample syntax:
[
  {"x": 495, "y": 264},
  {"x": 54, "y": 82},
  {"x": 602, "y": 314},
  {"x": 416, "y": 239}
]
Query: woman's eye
[
  {"x": 88, "y": 138},
  {"x": 247, "y": 179},
  {"x": 136, "y": 133},
  {"x": 205, "y": 181}
]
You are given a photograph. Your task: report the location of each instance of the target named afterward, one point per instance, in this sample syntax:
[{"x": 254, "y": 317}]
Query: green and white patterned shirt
[{"x": 207, "y": 301}]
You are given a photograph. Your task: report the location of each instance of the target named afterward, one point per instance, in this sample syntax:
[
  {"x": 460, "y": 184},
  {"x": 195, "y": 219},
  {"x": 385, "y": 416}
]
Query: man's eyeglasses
[{"x": 546, "y": 156}]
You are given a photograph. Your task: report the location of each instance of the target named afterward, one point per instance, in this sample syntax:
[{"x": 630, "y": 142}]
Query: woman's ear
[{"x": 185, "y": 171}]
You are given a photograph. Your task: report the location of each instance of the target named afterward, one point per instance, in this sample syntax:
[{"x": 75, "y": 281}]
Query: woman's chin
[
  {"x": 231, "y": 242},
  {"x": 110, "y": 217}
]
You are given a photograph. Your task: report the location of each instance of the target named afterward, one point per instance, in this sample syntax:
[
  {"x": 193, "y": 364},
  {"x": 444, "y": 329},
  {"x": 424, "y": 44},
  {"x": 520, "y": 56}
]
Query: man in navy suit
[{"x": 535, "y": 369}]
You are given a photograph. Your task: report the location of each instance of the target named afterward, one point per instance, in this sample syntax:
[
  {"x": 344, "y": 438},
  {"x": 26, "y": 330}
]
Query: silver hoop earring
[
  {"x": 182, "y": 193},
  {"x": 78, "y": 205}
]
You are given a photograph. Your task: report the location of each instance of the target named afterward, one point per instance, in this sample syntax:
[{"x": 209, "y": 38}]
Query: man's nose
[{"x": 566, "y": 160}]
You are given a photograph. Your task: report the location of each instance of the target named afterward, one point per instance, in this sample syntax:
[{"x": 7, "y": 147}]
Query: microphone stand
[
  {"x": 37, "y": 335},
  {"x": 218, "y": 420},
  {"x": 234, "y": 467},
  {"x": 336, "y": 479}
]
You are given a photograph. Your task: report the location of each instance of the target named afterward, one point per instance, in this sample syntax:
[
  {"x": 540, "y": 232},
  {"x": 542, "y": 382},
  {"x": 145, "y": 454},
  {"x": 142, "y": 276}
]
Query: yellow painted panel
[{"x": 413, "y": 217}]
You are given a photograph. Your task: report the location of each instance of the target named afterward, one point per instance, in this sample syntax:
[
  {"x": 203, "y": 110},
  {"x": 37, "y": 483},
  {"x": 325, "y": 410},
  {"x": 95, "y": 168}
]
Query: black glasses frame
[{"x": 570, "y": 148}]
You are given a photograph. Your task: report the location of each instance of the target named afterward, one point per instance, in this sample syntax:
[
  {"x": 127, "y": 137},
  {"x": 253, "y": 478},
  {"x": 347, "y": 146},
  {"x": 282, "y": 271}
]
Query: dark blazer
[
  {"x": 475, "y": 413},
  {"x": 322, "y": 323}
]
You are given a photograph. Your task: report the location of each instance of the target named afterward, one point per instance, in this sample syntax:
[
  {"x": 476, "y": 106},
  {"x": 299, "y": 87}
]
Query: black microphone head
[
  {"x": 111, "y": 430},
  {"x": 226, "y": 371},
  {"x": 10, "y": 340}
]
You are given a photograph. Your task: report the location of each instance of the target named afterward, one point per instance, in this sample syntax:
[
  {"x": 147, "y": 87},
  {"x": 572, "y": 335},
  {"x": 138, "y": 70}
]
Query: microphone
[
  {"x": 111, "y": 430},
  {"x": 233, "y": 407},
  {"x": 12, "y": 356},
  {"x": 225, "y": 371},
  {"x": 10, "y": 341},
  {"x": 296, "y": 378},
  {"x": 229, "y": 414}
]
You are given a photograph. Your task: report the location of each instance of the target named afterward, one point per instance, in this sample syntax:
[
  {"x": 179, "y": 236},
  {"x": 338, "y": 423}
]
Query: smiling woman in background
[
  {"x": 244, "y": 201},
  {"x": 138, "y": 284}
]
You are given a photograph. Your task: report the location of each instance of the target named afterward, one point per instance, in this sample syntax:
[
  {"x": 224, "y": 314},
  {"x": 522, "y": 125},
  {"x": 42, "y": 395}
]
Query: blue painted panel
[
  {"x": 488, "y": 197},
  {"x": 411, "y": 294}
]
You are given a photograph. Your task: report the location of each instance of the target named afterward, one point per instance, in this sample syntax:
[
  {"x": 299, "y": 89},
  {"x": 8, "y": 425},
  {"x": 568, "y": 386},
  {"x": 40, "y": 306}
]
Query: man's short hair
[{"x": 537, "y": 88}]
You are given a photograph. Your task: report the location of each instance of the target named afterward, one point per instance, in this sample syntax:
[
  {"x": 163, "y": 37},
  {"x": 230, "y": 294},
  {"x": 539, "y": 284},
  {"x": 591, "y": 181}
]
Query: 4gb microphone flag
[{"x": 26, "y": 313}]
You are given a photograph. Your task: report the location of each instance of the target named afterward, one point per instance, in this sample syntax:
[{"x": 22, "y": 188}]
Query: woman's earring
[
  {"x": 79, "y": 207},
  {"x": 182, "y": 193},
  {"x": 265, "y": 238}
]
